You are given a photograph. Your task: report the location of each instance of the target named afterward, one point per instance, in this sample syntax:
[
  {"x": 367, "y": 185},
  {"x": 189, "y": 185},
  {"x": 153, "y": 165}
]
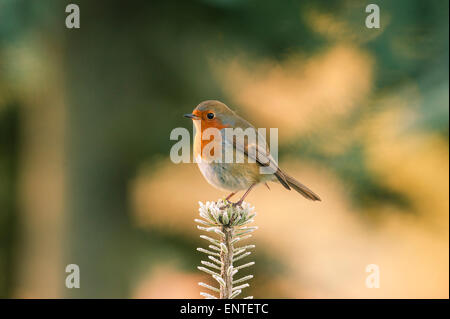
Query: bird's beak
[{"x": 191, "y": 116}]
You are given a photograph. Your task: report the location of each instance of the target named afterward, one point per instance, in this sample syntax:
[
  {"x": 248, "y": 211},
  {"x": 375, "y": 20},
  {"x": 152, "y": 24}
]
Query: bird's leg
[
  {"x": 239, "y": 203},
  {"x": 229, "y": 196}
]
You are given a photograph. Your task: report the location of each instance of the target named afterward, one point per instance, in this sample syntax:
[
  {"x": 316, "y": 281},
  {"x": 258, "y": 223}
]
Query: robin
[{"x": 235, "y": 176}]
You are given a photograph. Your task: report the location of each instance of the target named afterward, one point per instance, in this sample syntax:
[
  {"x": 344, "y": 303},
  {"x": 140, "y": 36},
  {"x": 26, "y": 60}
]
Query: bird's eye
[{"x": 210, "y": 116}]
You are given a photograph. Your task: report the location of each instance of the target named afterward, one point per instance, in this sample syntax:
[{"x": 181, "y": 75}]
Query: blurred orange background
[{"x": 85, "y": 118}]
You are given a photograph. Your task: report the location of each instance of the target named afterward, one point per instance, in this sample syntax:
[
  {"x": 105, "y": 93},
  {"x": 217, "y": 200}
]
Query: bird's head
[{"x": 212, "y": 113}]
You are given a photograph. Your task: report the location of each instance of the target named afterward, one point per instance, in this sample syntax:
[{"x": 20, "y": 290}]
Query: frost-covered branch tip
[{"x": 227, "y": 226}]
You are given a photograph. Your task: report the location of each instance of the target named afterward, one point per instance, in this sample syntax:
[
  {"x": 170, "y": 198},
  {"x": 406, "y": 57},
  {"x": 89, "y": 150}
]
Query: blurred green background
[{"x": 85, "y": 118}]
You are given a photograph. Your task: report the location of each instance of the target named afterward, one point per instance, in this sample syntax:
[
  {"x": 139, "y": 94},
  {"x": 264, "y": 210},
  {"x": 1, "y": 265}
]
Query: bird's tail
[{"x": 299, "y": 187}]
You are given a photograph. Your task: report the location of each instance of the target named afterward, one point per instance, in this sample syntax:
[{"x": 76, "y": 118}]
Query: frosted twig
[{"x": 229, "y": 224}]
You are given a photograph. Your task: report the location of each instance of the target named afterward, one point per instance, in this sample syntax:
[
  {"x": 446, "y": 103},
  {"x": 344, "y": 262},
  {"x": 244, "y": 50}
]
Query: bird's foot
[{"x": 237, "y": 204}]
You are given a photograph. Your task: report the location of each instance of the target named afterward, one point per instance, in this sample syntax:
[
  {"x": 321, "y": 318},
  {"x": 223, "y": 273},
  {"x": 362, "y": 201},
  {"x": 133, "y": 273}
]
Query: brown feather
[
  {"x": 302, "y": 189},
  {"x": 282, "y": 179}
]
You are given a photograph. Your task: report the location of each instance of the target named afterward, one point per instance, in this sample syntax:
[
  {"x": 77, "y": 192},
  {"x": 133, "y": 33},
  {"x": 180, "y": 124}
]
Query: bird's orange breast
[{"x": 200, "y": 143}]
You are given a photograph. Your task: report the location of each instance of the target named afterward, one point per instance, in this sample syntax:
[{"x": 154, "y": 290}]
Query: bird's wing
[{"x": 257, "y": 150}]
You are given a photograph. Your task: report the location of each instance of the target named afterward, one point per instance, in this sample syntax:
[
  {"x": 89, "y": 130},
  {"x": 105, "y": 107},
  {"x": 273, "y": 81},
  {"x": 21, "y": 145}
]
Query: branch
[{"x": 227, "y": 225}]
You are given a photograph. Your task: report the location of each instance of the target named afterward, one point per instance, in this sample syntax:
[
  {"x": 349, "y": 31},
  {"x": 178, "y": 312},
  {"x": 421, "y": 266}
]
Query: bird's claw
[{"x": 237, "y": 204}]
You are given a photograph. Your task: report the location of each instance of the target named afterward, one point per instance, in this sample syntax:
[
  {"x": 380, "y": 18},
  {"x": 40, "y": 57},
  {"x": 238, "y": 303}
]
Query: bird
[{"x": 232, "y": 175}]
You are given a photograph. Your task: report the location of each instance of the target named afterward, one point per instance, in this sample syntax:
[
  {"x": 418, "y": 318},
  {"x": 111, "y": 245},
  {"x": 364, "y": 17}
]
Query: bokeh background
[{"x": 85, "y": 118}]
